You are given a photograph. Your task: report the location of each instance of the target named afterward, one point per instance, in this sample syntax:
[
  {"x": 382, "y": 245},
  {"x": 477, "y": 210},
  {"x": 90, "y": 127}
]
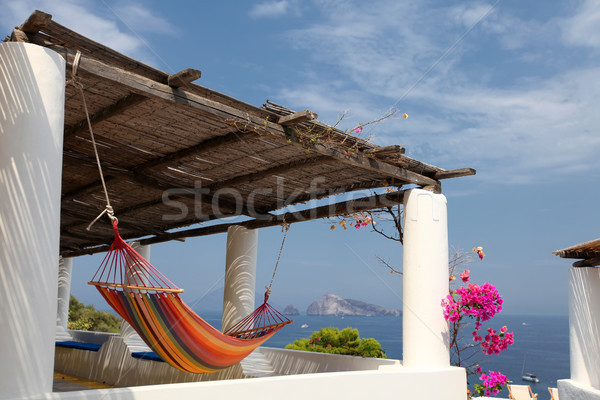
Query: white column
[
  {"x": 425, "y": 280},
  {"x": 584, "y": 325},
  {"x": 32, "y": 99},
  {"x": 240, "y": 275},
  {"x": 135, "y": 275},
  {"x": 65, "y": 269}
]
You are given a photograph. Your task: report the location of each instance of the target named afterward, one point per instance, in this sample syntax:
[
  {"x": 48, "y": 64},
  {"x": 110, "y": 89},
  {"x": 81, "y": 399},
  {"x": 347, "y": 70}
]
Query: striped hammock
[{"x": 150, "y": 303}]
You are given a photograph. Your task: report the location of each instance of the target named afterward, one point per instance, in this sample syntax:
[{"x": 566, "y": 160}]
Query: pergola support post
[
  {"x": 32, "y": 100},
  {"x": 584, "y": 325},
  {"x": 65, "y": 269},
  {"x": 425, "y": 280},
  {"x": 240, "y": 275}
]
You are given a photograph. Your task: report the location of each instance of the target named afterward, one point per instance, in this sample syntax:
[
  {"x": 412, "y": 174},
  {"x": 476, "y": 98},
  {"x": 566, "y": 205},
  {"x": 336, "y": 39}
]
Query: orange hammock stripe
[{"x": 150, "y": 303}]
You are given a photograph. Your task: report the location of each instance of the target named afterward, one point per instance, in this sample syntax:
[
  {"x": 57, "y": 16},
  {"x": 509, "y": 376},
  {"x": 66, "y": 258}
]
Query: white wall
[
  {"x": 32, "y": 97},
  {"x": 569, "y": 389},
  {"x": 394, "y": 383},
  {"x": 584, "y": 325},
  {"x": 288, "y": 362}
]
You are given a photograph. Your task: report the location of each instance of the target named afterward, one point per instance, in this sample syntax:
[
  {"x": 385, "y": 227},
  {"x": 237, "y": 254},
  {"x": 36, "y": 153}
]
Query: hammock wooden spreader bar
[{"x": 150, "y": 303}]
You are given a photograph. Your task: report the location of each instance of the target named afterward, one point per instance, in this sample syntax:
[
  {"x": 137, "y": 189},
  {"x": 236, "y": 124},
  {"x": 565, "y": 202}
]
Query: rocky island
[
  {"x": 291, "y": 310},
  {"x": 330, "y": 304}
]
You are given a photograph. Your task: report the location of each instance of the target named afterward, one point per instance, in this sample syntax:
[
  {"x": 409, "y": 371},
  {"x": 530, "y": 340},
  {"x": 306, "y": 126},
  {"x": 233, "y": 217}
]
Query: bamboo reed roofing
[
  {"x": 589, "y": 252},
  {"x": 175, "y": 153}
]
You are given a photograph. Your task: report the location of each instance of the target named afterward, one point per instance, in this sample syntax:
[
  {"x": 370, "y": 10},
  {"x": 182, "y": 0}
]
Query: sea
[{"x": 541, "y": 343}]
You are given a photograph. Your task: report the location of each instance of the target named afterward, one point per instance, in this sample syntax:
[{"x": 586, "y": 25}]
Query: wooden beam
[
  {"x": 277, "y": 169},
  {"x": 36, "y": 22},
  {"x": 107, "y": 112},
  {"x": 358, "y": 159},
  {"x": 88, "y": 215},
  {"x": 151, "y": 88},
  {"x": 302, "y": 196},
  {"x": 371, "y": 164},
  {"x": 590, "y": 262},
  {"x": 393, "y": 150},
  {"x": 137, "y": 173},
  {"x": 149, "y": 181},
  {"x": 455, "y": 173},
  {"x": 83, "y": 159},
  {"x": 83, "y": 190},
  {"x": 202, "y": 147},
  {"x": 184, "y": 193},
  {"x": 19, "y": 36},
  {"x": 183, "y": 78},
  {"x": 330, "y": 210},
  {"x": 297, "y": 118}
]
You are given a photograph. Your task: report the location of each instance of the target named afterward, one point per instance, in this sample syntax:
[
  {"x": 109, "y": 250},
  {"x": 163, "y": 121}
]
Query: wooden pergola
[
  {"x": 587, "y": 252},
  {"x": 176, "y": 154}
]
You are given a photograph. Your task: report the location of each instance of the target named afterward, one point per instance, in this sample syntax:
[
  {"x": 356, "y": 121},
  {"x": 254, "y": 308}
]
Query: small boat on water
[
  {"x": 528, "y": 376},
  {"x": 304, "y": 326}
]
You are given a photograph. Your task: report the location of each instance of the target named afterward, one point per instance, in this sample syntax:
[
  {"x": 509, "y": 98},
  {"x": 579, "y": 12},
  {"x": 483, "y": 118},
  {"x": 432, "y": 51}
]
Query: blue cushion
[
  {"x": 147, "y": 355},
  {"x": 79, "y": 345}
]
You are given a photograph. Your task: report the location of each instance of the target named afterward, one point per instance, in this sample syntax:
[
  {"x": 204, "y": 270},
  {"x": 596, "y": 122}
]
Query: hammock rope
[
  {"x": 108, "y": 210},
  {"x": 150, "y": 302},
  {"x": 284, "y": 228}
]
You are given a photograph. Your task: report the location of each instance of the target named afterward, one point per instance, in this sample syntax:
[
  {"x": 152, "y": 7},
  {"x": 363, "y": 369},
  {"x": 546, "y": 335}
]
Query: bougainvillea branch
[{"x": 479, "y": 303}]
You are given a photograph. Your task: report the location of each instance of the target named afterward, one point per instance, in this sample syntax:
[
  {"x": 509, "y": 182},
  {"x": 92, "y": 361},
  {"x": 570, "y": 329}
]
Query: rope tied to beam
[
  {"x": 108, "y": 210},
  {"x": 285, "y": 227}
]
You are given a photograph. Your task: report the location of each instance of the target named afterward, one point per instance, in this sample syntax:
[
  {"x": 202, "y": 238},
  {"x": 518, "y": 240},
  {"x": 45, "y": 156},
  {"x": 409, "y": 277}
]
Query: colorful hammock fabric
[{"x": 150, "y": 303}]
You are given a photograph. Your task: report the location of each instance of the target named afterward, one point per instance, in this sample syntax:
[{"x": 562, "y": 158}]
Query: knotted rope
[{"x": 108, "y": 210}]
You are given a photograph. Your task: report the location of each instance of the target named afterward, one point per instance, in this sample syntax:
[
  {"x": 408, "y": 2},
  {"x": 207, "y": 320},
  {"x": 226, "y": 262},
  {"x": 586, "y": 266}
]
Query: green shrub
[
  {"x": 332, "y": 340},
  {"x": 87, "y": 318}
]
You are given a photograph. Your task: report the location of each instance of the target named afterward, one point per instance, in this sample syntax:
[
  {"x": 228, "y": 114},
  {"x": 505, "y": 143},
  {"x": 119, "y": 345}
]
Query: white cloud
[
  {"x": 583, "y": 28},
  {"x": 510, "y": 31},
  {"x": 536, "y": 127},
  {"x": 544, "y": 130},
  {"x": 96, "y": 22},
  {"x": 270, "y": 9},
  {"x": 471, "y": 14}
]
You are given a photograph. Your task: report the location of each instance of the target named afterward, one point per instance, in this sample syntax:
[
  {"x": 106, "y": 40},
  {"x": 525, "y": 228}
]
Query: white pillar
[
  {"x": 240, "y": 275},
  {"x": 425, "y": 280},
  {"x": 584, "y": 325},
  {"x": 135, "y": 275},
  {"x": 32, "y": 99},
  {"x": 65, "y": 269}
]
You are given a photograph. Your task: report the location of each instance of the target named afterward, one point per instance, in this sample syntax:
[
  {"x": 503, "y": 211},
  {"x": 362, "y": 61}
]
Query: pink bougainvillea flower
[
  {"x": 362, "y": 220},
  {"x": 465, "y": 275},
  {"x": 479, "y": 251},
  {"x": 493, "y": 382}
]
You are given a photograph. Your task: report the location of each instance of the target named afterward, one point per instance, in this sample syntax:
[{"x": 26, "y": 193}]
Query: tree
[
  {"x": 333, "y": 341},
  {"x": 87, "y": 318}
]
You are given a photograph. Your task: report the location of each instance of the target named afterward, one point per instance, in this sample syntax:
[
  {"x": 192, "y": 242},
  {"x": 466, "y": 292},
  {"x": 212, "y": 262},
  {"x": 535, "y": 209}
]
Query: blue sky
[{"x": 510, "y": 88}]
